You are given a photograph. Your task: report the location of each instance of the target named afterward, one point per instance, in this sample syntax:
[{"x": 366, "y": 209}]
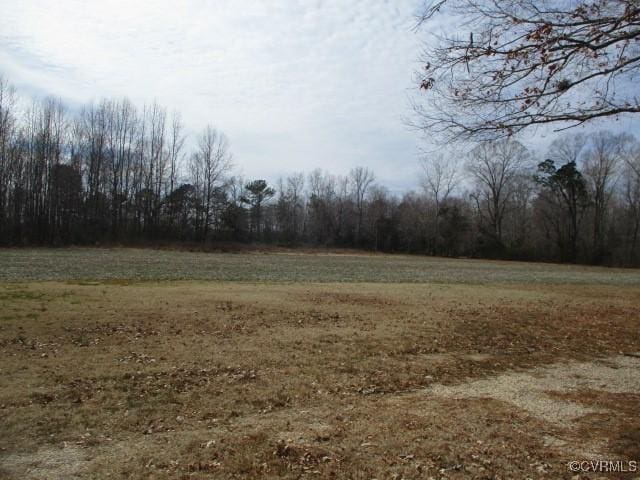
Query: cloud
[{"x": 294, "y": 84}]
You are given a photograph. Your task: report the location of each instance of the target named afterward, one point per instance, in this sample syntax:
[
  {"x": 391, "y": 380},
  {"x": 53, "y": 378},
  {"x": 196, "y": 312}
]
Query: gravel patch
[{"x": 530, "y": 390}]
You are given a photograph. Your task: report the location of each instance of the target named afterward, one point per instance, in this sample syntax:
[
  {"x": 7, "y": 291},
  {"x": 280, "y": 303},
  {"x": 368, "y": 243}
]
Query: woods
[{"x": 115, "y": 173}]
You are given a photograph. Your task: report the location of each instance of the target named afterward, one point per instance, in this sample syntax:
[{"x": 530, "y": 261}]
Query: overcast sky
[{"x": 295, "y": 85}]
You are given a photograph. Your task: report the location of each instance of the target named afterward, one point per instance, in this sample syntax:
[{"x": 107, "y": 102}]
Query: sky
[{"x": 295, "y": 85}]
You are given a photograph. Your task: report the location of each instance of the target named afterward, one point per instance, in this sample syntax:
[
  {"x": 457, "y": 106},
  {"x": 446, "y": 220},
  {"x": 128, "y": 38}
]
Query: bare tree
[
  {"x": 523, "y": 63},
  {"x": 601, "y": 168},
  {"x": 569, "y": 148},
  {"x": 208, "y": 165},
  {"x": 112, "y": 171},
  {"x": 342, "y": 209},
  {"x": 381, "y": 218},
  {"x": 290, "y": 206},
  {"x": 412, "y": 222},
  {"x": 494, "y": 166},
  {"x": 120, "y": 131},
  {"x": 176, "y": 144},
  {"x": 631, "y": 198},
  {"x": 518, "y": 224},
  {"x": 46, "y": 139},
  {"x": 295, "y": 189},
  {"x": 91, "y": 134},
  {"x": 7, "y": 133},
  {"x": 157, "y": 161},
  {"x": 361, "y": 179},
  {"x": 440, "y": 176},
  {"x": 321, "y": 188}
]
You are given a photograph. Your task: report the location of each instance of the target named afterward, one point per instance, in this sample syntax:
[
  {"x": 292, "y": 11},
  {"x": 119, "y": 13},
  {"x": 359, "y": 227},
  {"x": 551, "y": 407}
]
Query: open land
[{"x": 131, "y": 363}]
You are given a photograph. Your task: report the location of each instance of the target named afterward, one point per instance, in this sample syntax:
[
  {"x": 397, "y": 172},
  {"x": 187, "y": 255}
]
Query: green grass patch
[{"x": 93, "y": 266}]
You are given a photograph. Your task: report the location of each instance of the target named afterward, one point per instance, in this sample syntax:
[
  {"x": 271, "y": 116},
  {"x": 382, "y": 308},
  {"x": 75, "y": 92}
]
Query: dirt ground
[{"x": 211, "y": 379}]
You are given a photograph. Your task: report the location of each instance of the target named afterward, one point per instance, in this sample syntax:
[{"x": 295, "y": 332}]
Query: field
[{"x": 125, "y": 363}]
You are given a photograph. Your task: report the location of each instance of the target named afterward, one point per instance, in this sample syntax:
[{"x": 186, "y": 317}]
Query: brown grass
[{"x": 265, "y": 380}]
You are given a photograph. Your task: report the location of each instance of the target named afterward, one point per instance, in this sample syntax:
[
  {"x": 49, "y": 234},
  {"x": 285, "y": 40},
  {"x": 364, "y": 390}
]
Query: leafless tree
[
  {"x": 7, "y": 134},
  {"x": 46, "y": 138},
  {"x": 113, "y": 171},
  {"x": 290, "y": 208},
  {"x": 157, "y": 161},
  {"x": 494, "y": 166},
  {"x": 175, "y": 154},
  {"x": 518, "y": 224},
  {"x": 92, "y": 139},
  {"x": 440, "y": 177},
  {"x": 120, "y": 132},
  {"x": 321, "y": 188},
  {"x": 569, "y": 148},
  {"x": 631, "y": 198},
  {"x": 514, "y": 64},
  {"x": 601, "y": 169},
  {"x": 208, "y": 166},
  {"x": 295, "y": 189},
  {"x": 361, "y": 179},
  {"x": 176, "y": 145}
]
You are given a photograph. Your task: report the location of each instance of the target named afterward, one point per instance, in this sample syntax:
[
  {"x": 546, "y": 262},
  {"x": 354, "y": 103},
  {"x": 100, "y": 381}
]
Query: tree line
[{"x": 113, "y": 172}]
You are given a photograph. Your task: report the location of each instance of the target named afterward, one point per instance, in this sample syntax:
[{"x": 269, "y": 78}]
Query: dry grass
[{"x": 201, "y": 379}]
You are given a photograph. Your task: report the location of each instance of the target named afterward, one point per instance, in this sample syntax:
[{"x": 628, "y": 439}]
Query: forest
[{"x": 112, "y": 172}]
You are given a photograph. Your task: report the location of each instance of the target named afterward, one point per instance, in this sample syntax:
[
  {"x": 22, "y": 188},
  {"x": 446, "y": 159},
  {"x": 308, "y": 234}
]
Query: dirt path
[{"x": 561, "y": 394}]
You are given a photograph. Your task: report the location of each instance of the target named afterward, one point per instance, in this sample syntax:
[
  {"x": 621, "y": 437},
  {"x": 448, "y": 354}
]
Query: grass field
[{"x": 124, "y": 363}]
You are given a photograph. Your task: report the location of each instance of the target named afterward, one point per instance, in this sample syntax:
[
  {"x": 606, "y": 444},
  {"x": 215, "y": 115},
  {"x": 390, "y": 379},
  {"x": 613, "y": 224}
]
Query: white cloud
[{"x": 294, "y": 84}]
